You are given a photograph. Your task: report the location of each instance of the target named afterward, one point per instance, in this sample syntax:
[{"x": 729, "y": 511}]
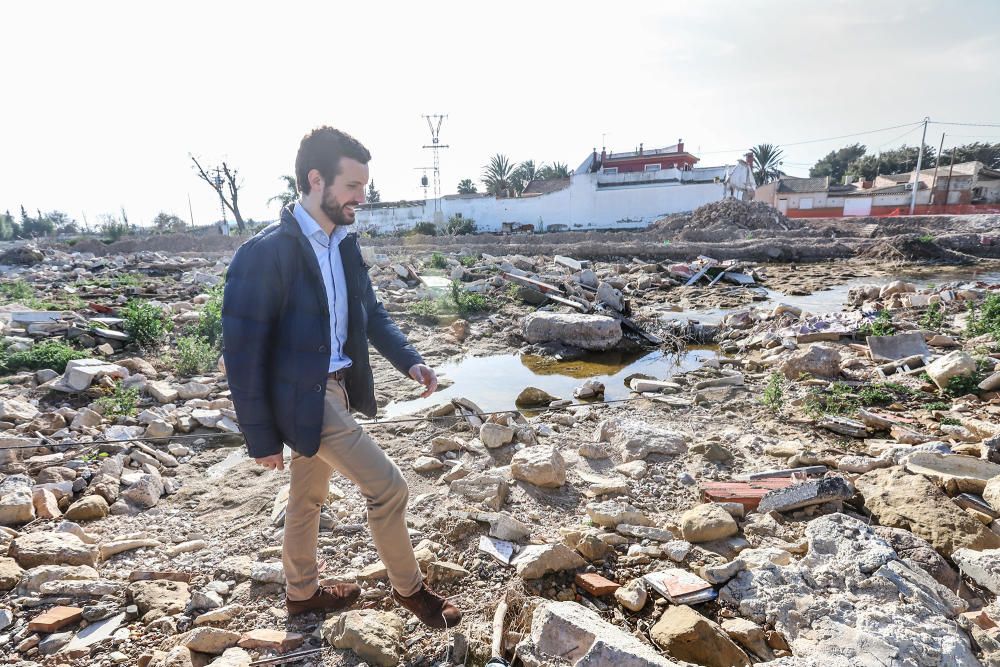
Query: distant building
[
  {"x": 967, "y": 187},
  {"x": 607, "y": 191}
]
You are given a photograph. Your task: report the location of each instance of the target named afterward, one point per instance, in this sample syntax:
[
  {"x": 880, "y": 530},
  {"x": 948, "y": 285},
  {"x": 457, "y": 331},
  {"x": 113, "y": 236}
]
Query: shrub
[
  {"x": 875, "y": 394},
  {"x": 426, "y": 228},
  {"x": 774, "y": 392},
  {"x": 195, "y": 354},
  {"x": 933, "y": 317},
  {"x": 880, "y": 326},
  {"x": 986, "y": 318},
  {"x": 120, "y": 402},
  {"x": 146, "y": 323},
  {"x": 468, "y": 260},
  {"x": 209, "y": 325},
  {"x": 926, "y": 238},
  {"x": 458, "y": 225},
  {"x": 837, "y": 400},
  {"x": 425, "y": 310},
  {"x": 438, "y": 261},
  {"x": 467, "y": 302},
  {"x": 52, "y": 354},
  {"x": 17, "y": 290},
  {"x": 962, "y": 385},
  {"x": 937, "y": 405}
]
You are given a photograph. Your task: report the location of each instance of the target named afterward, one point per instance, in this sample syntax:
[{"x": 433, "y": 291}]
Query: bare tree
[{"x": 229, "y": 180}]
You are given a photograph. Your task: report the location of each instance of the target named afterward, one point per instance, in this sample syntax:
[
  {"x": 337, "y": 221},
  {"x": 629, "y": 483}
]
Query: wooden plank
[{"x": 551, "y": 291}]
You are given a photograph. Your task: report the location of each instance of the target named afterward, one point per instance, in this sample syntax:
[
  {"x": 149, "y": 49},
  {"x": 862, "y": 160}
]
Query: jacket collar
[{"x": 290, "y": 226}]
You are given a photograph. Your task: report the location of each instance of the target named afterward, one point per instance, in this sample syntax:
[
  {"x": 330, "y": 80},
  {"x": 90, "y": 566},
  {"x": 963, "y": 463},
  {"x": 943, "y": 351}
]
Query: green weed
[
  {"x": 437, "y": 261},
  {"x": 147, "y": 324},
  {"x": 880, "y": 326},
  {"x": 774, "y": 392},
  {"x": 933, "y": 317},
  {"x": 121, "y": 402},
  {"x": 195, "y": 354},
  {"x": 51, "y": 354}
]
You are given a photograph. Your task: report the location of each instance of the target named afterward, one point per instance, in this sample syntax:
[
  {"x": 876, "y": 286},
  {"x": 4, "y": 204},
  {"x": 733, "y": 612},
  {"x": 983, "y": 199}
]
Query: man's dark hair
[{"x": 322, "y": 149}]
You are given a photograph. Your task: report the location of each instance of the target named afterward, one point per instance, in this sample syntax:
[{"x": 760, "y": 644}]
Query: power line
[
  {"x": 816, "y": 141},
  {"x": 941, "y": 122},
  {"x": 909, "y": 131}
]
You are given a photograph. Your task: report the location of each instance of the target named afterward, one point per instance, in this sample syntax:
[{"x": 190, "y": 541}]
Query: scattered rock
[
  {"x": 637, "y": 439},
  {"x": 541, "y": 465},
  {"x": 687, "y": 635},
  {"x": 588, "y": 332},
  {"x": 375, "y": 636},
  {"x": 52, "y": 548},
  {"x": 952, "y": 365},
  {"x": 707, "y": 522},
  {"x": 495, "y": 435},
  {"x": 817, "y": 360},
  {"x": 88, "y": 508},
  {"x": 537, "y": 560},
  {"x": 534, "y": 397}
]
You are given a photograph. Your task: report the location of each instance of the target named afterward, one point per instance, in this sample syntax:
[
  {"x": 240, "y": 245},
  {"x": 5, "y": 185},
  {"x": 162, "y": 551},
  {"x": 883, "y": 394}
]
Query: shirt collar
[{"x": 311, "y": 229}]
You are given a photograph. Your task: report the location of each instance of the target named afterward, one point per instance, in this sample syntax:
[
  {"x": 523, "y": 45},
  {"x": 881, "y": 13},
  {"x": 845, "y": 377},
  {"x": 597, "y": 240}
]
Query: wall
[
  {"x": 580, "y": 206},
  {"x": 665, "y": 160}
]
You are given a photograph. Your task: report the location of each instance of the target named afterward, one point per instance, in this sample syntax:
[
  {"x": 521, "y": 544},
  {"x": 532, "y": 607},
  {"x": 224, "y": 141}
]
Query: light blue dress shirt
[{"x": 327, "y": 249}]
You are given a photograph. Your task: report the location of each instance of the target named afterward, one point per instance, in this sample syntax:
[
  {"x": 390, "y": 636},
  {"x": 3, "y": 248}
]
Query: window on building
[
  {"x": 652, "y": 167},
  {"x": 806, "y": 202},
  {"x": 610, "y": 171}
]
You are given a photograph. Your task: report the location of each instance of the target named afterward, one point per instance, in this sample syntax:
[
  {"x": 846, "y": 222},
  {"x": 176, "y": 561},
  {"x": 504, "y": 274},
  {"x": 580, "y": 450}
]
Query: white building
[{"x": 608, "y": 191}]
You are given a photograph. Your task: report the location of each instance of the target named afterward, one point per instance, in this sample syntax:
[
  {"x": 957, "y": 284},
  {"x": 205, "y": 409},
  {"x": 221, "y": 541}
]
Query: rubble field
[{"x": 818, "y": 486}]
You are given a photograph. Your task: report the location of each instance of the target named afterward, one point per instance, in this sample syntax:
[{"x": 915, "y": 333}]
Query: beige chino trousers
[{"x": 345, "y": 447}]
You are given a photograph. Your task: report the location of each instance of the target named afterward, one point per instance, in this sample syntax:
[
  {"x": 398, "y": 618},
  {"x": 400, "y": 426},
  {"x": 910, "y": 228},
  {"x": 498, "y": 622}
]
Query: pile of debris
[{"x": 725, "y": 220}]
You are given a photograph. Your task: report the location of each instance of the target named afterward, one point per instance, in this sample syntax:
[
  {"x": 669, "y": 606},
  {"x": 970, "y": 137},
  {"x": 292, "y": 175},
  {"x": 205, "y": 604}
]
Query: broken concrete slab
[
  {"x": 813, "y": 492},
  {"x": 955, "y": 473},
  {"x": 573, "y": 635},
  {"x": 952, "y": 365},
  {"x": 588, "y": 332},
  {"x": 637, "y": 439},
  {"x": 898, "y": 346}
]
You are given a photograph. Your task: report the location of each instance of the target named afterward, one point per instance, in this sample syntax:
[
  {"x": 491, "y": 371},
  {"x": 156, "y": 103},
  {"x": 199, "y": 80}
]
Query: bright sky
[{"x": 104, "y": 101}]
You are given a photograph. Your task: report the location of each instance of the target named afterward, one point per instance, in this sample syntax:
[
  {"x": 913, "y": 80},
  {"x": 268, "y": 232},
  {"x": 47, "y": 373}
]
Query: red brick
[
  {"x": 746, "y": 493},
  {"x": 272, "y": 639},
  {"x": 55, "y": 618},
  {"x": 596, "y": 585}
]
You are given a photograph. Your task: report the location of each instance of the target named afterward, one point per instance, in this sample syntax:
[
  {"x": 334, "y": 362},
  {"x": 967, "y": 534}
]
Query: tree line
[
  {"x": 854, "y": 162},
  {"x": 503, "y": 178}
]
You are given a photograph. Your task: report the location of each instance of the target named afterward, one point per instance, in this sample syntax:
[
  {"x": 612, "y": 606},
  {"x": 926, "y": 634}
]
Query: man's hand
[
  {"x": 425, "y": 376},
  {"x": 272, "y": 462}
]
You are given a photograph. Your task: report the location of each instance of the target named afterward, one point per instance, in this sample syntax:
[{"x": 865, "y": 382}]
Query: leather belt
[{"x": 337, "y": 375}]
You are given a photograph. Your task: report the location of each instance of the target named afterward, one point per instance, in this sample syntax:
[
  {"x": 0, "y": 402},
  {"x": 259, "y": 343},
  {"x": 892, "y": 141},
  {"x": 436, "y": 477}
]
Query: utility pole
[
  {"x": 434, "y": 123},
  {"x": 920, "y": 161},
  {"x": 937, "y": 163},
  {"x": 190, "y": 211},
  {"x": 951, "y": 167}
]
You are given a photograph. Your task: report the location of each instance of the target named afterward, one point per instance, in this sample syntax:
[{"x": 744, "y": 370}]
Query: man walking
[{"x": 297, "y": 316}]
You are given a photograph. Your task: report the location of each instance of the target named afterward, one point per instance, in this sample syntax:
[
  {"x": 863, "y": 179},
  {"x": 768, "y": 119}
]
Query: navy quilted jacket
[{"x": 276, "y": 338}]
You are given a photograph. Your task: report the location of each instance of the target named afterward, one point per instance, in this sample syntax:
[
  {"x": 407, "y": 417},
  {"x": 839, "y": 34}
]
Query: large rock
[
  {"x": 210, "y": 640},
  {"x": 10, "y": 573},
  {"x": 611, "y": 513},
  {"x": 489, "y": 490},
  {"x": 88, "y": 508},
  {"x": 159, "y": 597},
  {"x": 912, "y": 502},
  {"x": 531, "y": 397},
  {"x": 983, "y": 567},
  {"x": 956, "y": 473},
  {"x": 81, "y": 373},
  {"x": 687, "y": 635},
  {"x": 495, "y": 435},
  {"x": 537, "y": 560},
  {"x": 52, "y": 548},
  {"x": 162, "y": 391},
  {"x": 42, "y": 574},
  {"x": 991, "y": 494},
  {"x": 145, "y": 492},
  {"x": 16, "y": 503},
  {"x": 817, "y": 360},
  {"x": 542, "y": 465},
  {"x": 636, "y": 439},
  {"x": 375, "y": 636},
  {"x": 590, "y": 332},
  {"x": 920, "y": 552},
  {"x": 707, "y": 522},
  {"x": 851, "y": 601},
  {"x": 17, "y": 410},
  {"x": 190, "y": 390},
  {"x": 952, "y": 365},
  {"x": 567, "y": 633}
]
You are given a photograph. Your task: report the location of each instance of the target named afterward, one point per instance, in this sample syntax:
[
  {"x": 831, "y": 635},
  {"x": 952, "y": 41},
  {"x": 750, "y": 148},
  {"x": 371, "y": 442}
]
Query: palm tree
[
  {"x": 290, "y": 194},
  {"x": 497, "y": 176},
  {"x": 766, "y": 160},
  {"x": 554, "y": 170},
  {"x": 466, "y": 187}
]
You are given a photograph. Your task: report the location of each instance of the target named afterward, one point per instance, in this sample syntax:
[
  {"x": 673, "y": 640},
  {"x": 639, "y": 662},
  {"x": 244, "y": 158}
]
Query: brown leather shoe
[
  {"x": 432, "y": 609},
  {"x": 326, "y": 598}
]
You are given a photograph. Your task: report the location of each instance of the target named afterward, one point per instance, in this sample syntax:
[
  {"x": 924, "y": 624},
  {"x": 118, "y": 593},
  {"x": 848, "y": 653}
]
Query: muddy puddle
[
  {"x": 829, "y": 300},
  {"x": 492, "y": 382}
]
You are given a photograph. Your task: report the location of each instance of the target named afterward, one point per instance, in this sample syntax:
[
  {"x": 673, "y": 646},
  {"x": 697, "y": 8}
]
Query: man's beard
[{"x": 335, "y": 212}]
